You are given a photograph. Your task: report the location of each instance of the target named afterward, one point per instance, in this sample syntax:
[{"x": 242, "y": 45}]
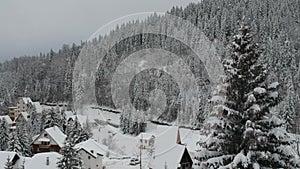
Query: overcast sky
[{"x": 28, "y": 27}]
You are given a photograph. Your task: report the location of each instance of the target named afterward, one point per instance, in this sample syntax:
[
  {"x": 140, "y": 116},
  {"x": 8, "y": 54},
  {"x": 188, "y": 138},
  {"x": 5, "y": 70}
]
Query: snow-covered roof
[
  {"x": 39, "y": 161},
  {"x": 69, "y": 114},
  {"x": 170, "y": 158},
  {"x": 166, "y": 137},
  {"x": 190, "y": 138},
  {"x": 145, "y": 136},
  {"x": 27, "y": 100},
  {"x": 4, "y": 155},
  {"x": 7, "y": 119},
  {"x": 57, "y": 135},
  {"x": 24, "y": 114},
  {"x": 38, "y": 107},
  {"x": 92, "y": 147}
]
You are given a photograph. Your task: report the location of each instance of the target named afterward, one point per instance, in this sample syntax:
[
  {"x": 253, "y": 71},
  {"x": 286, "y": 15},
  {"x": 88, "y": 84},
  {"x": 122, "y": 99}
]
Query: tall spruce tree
[
  {"x": 4, "y": 135},
  {"x": 14, "y": 142},
  {"x": 34, "y": 122},
  {"x": 54, "y": 118},
  {"x": 24, "y": 140},
  {"x": 70, "y": 158},
  {"x": 242, "y": 130}
]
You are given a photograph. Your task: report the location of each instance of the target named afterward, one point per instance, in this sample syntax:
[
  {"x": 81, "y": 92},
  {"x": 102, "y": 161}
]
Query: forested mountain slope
[{"x": 275, "y": 24}]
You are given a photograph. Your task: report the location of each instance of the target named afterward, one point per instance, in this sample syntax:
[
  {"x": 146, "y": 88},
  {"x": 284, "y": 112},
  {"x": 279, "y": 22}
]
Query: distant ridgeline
[{"x": 276, "y": 24}]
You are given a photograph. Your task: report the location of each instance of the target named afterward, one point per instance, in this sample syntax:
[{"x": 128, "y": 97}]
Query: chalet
[
  {"x": 50, "y": 140},
  {"x": 146, "y": 140},
  {"x": 13, "y": 112},
  {"x": 24, "y": 104},
  {"x": 43, "y": 160},
  {"x": 11, "y": 124},
  {"x": 91, "y": 153}
]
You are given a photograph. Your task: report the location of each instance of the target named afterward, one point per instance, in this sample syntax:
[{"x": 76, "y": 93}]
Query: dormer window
[{"x": 92, "y": 151}]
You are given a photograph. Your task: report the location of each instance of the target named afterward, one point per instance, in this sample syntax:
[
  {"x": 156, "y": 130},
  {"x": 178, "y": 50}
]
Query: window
[
  {"x": 45, "y": 142},
  {"x": 89, "y": 157},
  {"x": 45, "y": 135}
]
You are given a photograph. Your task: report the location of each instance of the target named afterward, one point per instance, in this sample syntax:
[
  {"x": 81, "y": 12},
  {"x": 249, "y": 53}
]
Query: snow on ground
[
  {"x": 118, "y": 164},
  {"x": 100, "y": 115},
  {"x": 121, "y": 145}
]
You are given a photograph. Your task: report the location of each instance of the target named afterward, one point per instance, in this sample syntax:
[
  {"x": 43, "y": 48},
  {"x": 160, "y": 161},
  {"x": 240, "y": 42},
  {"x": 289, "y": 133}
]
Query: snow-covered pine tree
[
  {"x": 4, "y": 136},
  {"x": 76, "y": 131},
  {"x": 24, "y": 140},
  {"x": 242, "y": 130},
  {"x": 43, "y": 120},
  {"x": 70, "y": 158},
  {"x": 53, "y": 118},
  {"x": 34, "y": 122},
  {"x": 14, "y": 142},
  {"x": 8, "y": 164},
  {"x": 288, "y": 105}
]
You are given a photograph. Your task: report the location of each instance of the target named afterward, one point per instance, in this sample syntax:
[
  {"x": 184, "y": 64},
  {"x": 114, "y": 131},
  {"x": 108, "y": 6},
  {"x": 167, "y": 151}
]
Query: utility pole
[{"x": 141, "y": 151}]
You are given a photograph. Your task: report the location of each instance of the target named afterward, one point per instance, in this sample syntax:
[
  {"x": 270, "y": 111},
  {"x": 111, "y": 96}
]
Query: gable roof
[
  {"x": 92, "y": 147},
  {"x": 38, "y": 107},
  {"x": 7, "y": 119},
  {"x": 145, "y": 136},
  {"x": 167, "y": 150},
  {"x": 166, "y": 137},
  {"x": 55, "y": 133},
  {"x": 171, "y": 157},
  {"x": 24, "y": 114},
  {"x": 27, "y": 100}
]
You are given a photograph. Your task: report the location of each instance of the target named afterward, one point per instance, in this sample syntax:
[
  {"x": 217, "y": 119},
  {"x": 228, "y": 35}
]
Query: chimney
[{"x": 47, "y": 161}]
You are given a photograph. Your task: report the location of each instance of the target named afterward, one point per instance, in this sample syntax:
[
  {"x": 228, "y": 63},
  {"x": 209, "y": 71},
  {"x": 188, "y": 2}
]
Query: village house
[
  {"x": 91, "y": 153},
  {"x": 13, "y": 112},
  {"x": 24, "y": 104},
  {"x": 146, "y": 140},
  {"x": 50, "y": 140}
]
